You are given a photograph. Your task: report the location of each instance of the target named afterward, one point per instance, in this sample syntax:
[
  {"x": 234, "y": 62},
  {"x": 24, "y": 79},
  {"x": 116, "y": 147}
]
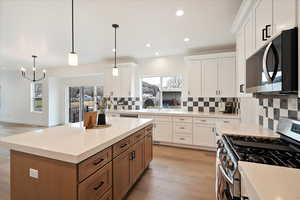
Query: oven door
[{"x": 224, "y": 185}]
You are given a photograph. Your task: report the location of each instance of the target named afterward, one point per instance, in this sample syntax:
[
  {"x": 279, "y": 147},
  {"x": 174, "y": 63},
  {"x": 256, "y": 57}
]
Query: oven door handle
[
  {"x": 230, "y": 180},
  {"x": 265, "y": 70}
]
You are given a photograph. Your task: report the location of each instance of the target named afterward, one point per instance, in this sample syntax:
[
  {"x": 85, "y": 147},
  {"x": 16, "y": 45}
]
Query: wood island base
[{"x": 107, "y": 175}]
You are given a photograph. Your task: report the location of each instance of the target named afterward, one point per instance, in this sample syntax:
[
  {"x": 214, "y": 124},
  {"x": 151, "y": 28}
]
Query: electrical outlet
[{"x": 33, "y": 173}]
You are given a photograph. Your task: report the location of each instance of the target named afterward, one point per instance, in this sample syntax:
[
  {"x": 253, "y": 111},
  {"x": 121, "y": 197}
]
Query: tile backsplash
[
  {"x": 206, "y": 104},
  {"x": 271, "y": 109},
  {"x": 126, "y": 103}
]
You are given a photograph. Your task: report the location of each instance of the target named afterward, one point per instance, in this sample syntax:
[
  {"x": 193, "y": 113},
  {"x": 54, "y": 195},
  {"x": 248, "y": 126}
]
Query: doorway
[{"x": 83, "y": 99}]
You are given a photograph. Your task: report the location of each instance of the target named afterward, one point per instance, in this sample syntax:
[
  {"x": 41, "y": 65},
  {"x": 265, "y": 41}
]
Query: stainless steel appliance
[
  {"x": 283, "y": 151},
  {"x": 274, "y": 68}
]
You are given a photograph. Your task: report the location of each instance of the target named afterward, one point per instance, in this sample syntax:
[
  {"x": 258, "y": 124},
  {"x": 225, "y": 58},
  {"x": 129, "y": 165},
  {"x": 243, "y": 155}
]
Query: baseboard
[{"x": 186, "y": 146}]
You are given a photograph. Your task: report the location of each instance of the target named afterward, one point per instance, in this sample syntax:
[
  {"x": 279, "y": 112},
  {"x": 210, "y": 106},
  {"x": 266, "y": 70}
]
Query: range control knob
[
  {"x": 224, "y": 158},
  {"x": 230, "y": 164},
  {"x": 224, "y": 151},
  {"x": 220, "y": 144}
]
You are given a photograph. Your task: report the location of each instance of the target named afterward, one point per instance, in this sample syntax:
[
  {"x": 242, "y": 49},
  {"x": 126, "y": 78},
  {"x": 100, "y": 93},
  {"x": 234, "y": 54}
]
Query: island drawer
[
  {"x": 96, "y": 185},
  {"x": 138, "y": 136},
  {"x": 92, "y": 164},
  {"x": 121, "y": 146},
  {"x": 149, "y": 129},
  {"x": 107, "y": 196}
]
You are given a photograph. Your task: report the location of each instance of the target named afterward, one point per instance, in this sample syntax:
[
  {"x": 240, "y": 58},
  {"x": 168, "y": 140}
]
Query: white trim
[
  {"x": 242, "y": 14},
  {"x": 209, "y": 56},
  {"x": 185, "y": 146}
]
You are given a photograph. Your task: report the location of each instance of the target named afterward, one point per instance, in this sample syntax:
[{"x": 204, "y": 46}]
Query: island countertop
[{"x": 72, "y": 143}]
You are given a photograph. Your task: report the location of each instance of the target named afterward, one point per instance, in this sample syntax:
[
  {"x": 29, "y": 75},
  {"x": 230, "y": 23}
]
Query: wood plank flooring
[{"x": 174, "y": 174}]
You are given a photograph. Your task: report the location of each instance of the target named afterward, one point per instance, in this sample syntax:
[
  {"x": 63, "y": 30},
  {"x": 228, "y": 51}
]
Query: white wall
[{"x": 16, "y": 100}]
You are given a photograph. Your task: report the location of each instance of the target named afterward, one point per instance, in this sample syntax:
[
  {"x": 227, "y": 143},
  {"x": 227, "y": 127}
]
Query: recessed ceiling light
[
  {"x": 157, "y": 53},
  {"x": 179, "y": 13},
  {"x": 186, "y": 39},
  {"x": 113, "y": 50},
  {"x": 148, "y": 45}
]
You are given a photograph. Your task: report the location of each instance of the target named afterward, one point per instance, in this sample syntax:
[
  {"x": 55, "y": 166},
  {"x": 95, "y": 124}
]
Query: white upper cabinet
[
  {"x": 227, "y": 77},
  {"x": 240, "y": 61},
  {"x": 249, "y": 36},
  {"x": 263, "y": 22},
  {"x": 210, "y": 77},
  {"x": 284, "y": 15},
  {"x": 194, "y": 79}
]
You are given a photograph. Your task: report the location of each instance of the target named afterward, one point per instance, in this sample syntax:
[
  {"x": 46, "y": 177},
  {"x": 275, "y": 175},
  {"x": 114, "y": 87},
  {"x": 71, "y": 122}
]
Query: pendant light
[
  {"x": 115, "y": 70},
  {"x": 33, "y": 79},
  {"x": 73, "y": 57}
]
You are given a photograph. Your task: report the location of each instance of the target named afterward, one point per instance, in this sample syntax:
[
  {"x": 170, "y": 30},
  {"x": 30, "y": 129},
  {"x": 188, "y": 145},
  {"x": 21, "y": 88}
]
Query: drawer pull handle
[
  {"x": 181, "y": 127},
  {"x": 98, "y": 162},
  {"x": 99, "y": 186},
  {"x": 181, "y": 119},
  {"x": 203, "y": 120},
  {"x": 226, "y": 121},
  {"x": 181, "y": 138},
  {"x": 138, "y": 136},
  {"x": 123, "y": 145}
]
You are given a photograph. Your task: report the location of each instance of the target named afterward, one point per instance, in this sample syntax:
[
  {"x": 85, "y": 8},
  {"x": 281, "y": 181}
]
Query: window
[
  {"x": 162, "y": 91},
  {"x": 36, "y": 97}
]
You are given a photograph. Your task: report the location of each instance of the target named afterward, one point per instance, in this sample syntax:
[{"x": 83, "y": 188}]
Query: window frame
[{"x": 160, "y": 88}]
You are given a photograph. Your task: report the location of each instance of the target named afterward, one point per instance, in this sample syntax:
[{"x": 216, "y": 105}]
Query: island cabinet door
[
  {"x": 138, "y": 163},
  {"x": 148, "y": 149},
  {"x": 122, "y": 174}
]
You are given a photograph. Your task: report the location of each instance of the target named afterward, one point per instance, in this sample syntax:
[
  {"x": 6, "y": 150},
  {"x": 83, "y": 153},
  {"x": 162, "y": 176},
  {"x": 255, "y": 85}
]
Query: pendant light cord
[
  {"x": 73, "y": 26},
  {"x": 115, "y": 46}
]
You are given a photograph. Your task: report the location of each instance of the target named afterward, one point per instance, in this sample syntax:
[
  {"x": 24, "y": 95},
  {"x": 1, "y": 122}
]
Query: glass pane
[
  {"x": 99, "y": 92},
  {"x": 172, "y": 82},
  {"x": 74, "y": 108},
  {"x": 37, "y": 97},
  {"x": 151, "y": 92},
  {"x": 171, "y": 99},
  {"x": 89, "y": 100}
]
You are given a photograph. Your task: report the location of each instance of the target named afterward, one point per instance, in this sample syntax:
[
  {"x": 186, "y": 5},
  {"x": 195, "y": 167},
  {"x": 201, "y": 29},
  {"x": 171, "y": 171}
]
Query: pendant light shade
[
  {"x": 73, "y": 57},
  {"x": 115, "y": 70}
]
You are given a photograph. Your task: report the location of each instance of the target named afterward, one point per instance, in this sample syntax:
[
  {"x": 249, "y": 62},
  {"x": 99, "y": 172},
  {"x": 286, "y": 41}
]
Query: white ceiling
[{"x": 43, "y": 27}]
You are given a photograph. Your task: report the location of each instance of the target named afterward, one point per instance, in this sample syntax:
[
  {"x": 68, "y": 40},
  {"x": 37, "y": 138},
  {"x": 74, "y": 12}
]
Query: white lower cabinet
[
  {"x": 196, "y": 132},
  {"x": 204, "y": 135},
  {"x": 163, "y": 132}
]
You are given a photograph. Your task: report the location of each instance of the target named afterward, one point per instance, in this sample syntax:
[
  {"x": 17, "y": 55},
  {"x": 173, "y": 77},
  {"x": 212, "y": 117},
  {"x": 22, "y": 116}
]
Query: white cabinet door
[
  {"x": 163, "y": 132},
  {"x": 227, "y": 77},
  {"x": 194, "y": 79},
  {"x": 284, "y": 15},
  {"x": 263, "y": 17},
  {"x": 249, "y": 36},
  {"x": 210, "y": 77},
  {"x": 204, "y": 136},
  {"x": 241, "y": 65}
]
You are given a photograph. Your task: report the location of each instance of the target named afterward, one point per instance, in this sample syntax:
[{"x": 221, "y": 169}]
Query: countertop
[
  {"x": 245, "y": 129},
  {"x": 266, "y": 182},
  {"x": 73, "y": 143},
  {"x": 176, "y": 112}
]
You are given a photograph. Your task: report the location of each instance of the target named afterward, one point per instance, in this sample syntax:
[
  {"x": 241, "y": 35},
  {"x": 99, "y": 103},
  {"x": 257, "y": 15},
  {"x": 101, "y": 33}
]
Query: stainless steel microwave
[{"x": 274, "y": 68}]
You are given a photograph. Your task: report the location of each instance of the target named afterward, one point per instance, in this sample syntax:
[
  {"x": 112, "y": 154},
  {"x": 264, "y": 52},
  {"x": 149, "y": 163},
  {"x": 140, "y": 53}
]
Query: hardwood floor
[
  {"x": 174, "y": 174},
  {"x": 177, "y": 174}
]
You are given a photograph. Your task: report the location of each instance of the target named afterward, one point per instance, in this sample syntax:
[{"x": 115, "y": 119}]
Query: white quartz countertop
[
  {"x": 176, "y": 112},
  {"x": 245, "y": 129},
  {"x": 72, "y": 143},
  {"x": 267, "y": 182}
]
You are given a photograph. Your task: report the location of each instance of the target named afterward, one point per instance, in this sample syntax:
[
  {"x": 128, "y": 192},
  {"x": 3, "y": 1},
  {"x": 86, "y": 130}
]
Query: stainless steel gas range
[{"x": 283, "y": 151}]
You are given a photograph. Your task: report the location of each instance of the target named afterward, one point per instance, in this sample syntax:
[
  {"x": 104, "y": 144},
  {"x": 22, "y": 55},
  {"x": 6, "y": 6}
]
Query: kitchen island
[{"x": 72, "y": 163}]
